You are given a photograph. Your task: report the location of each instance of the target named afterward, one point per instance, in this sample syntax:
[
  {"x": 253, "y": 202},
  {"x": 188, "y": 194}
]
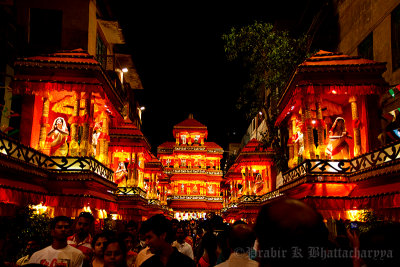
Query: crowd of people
[{"x": 287, "y": 232}]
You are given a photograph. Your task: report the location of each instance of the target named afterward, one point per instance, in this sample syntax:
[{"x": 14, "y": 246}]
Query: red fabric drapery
[
  {"x": 43, "y": 88},
  {"x": 23, "y": 198},
  {"x": 314, "y": 92}
]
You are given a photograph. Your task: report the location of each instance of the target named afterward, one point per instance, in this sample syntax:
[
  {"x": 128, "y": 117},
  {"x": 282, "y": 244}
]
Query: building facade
[{"x": 193, "y": 166}]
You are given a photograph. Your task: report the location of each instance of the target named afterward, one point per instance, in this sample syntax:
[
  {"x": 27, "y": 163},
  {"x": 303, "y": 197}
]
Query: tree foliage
[{"x": 269, "y": 56}]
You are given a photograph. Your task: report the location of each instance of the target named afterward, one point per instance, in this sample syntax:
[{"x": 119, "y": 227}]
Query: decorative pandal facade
[
  {"x": 79, "y": 149},
  {"x": 330, "y": 125},
  {"x": 193, "y": 166},
  {"x": 250, "y": 177}
]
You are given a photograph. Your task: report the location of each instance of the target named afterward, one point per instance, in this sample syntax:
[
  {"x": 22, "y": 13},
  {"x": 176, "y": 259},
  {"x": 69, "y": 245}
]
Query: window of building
[
  {"x": 101, "y": 52},
  {"x": 45, "y": 28},
  {"x": 396, "y": 38},
  {"x": 366, "y": 47}
]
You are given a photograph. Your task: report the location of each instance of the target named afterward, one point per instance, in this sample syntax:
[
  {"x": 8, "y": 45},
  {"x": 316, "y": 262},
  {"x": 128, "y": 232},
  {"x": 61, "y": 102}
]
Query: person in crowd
[
  {"x": 241, "y": 240},
  {"x": 115, "y": 253},
  {"x": 158, "y": 236},
  {"x": 209, "y": 249},
  {"x": 98, "y": 243},
  {"x": 142, "y": 256},
  {"x": 132, "y": 228},
  {"x": 223, "y": 250},
  {"x": 286, "y": 229},
  {"x": 59, "y": 253},
  {"x": 82, "y": 239},
  {"x": 128, "y": 239},
  {"x": 180, "y": 243},
  {"x": 32, "y": 246},
  {"x": 383, "y": 240}
]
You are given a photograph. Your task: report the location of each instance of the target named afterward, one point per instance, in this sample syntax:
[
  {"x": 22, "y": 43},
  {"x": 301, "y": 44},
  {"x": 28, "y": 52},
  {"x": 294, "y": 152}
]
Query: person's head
[
  {"x": 338, "y": 126},
  {"x": 180, "y": 234},
  {"x": 32, "y": 245},
  {"x": 98, "y": 243},
  {"x": 209, "y": 243},
  {"x": 114, "y": 253},
  {"x": 241, "y": 238},
  {"x": 60, "y": 228},
  {"x": 84, "y": 224},
  {"x": 128, "y": 239},
  {"x": 157, "y": 233},
  {"x": 287, "y": 224},
  {"x": 132, "y": 227}
]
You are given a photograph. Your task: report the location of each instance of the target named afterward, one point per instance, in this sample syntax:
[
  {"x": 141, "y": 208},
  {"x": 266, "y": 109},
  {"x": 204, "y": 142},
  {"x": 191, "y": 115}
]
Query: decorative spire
[{"x": 190, "y": 116}]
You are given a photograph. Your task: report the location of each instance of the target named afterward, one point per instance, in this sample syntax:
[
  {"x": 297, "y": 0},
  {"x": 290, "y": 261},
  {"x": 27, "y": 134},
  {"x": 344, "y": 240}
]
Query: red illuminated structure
[
  {"x": 194, "y": 169},
  {"x": 250, "y": 177},
  {"x": 329, "y": 127},
  {"x": 78, "y": 146}
]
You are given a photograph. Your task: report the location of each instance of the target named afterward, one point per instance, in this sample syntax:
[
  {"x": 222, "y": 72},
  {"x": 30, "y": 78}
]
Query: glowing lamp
[
  {"x": 125, "y": 70},
  {"x": 313, "y": 122},
  {"x": 142, "y": 108},
  {"x": 334, "y": 92}
]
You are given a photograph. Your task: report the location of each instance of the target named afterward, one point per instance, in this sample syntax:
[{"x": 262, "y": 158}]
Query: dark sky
[{"x": 179, "y": 54}]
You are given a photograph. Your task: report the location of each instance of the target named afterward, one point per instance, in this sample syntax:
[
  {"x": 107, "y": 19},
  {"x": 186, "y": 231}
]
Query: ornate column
[
  {"x": 320, "y": 129},
  {"x": 309, "y": 135},
  {"x": 44, "y": 124},
  {"x": 86, "y": 119},
  {"x": 356, "y": 126},
  {"x": 202, "y": 139},
  {"x": 177, "y": 138},
  {"x": 74, "y": 144},
  {"x": 103, "y": 139},
  {"x": 291, "y": 144},
  {"x": 130, "y": 181},
  {"x": 189, "y": 140}
]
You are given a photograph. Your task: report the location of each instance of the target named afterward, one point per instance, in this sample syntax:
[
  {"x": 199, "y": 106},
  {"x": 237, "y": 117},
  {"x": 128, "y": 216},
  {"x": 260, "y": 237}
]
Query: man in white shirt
[
  {"x": 181, "y": 245},
  {"x": 241, "y": 240},
  {"x": 59, "y": 253}
]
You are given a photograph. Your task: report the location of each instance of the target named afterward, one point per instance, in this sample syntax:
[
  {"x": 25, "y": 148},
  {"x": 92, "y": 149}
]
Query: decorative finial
[{"x": 190, "y": 116}]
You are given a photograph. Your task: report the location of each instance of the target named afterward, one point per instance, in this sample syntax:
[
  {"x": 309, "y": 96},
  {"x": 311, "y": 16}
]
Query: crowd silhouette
[{"x": 287, "y": 232}]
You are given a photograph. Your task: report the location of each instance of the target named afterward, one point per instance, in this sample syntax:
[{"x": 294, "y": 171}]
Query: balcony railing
[
  {"x": 30, "y": 156},
  {"x": 134, "y": 191},
  {"x": 374, "y": 159}
]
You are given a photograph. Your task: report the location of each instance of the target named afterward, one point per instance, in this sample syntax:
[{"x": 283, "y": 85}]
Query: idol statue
[
  {"x": 57, "y": 138},
  {"x": 338, "y": 148}
]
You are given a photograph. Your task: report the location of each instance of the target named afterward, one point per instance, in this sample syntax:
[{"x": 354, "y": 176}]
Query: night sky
[{"x": 179, "y": 55}]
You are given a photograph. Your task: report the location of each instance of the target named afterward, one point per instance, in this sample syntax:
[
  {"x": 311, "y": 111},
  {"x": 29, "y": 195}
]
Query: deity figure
[
  {"x": 57, "y": 138},
  {"x": 299, "y": 139},
  {"x": 95, "y": 137},
  {"x": 210, "y": 189},
  {"x": 184, "y": 139},
  {"x": 195, "y": 191},
  {"x": 259, "y": 183},
  {"x": 338, "y": 148},
  {"x": 182, "y": 188},
  {"x": 121, "y": 174}
]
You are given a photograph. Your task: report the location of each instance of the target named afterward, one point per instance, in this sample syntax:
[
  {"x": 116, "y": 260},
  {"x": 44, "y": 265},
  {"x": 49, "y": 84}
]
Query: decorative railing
[
  {"x": 131, "y": 191},
  {"x": 206, "y": 198},
  {"x": 270, "y": 195},
  {"x": 363, "y": 162},
  {"x": 194, "y": 171},
  {"x": 188, "y": 148},
  {"x": 155, "y": 202},
  {"x": 77, "y": 165},
  {"x": 249, "y": 198},
  {"x": 28, "y": 155}
]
